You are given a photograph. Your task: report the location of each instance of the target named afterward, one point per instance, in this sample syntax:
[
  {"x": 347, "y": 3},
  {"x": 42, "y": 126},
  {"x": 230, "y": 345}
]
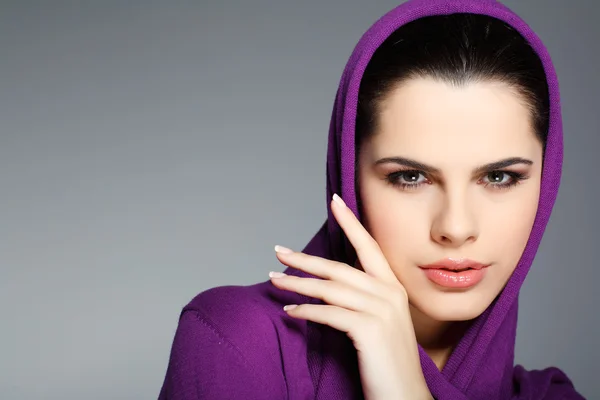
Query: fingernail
[
  {"x": 283, "y": 250},
  {"x": 290, "y": 307},
  {"x": 274, "y": 274},
  {"x": 338, "y": 200}
]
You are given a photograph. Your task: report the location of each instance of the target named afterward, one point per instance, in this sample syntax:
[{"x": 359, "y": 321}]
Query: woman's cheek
[
  {"x": 400, "y": 231},
  {"x": 507, "y": 230}
]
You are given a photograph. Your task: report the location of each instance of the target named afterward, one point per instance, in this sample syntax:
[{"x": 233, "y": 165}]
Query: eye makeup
[
  {"x": 493, "y": 175},
  {"x": 496, "y": 179}
]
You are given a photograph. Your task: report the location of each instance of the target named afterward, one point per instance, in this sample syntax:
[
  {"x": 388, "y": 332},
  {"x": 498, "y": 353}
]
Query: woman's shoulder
[
  {"x": 244, "y": 317},
  {"x": 243, "y": 302},
  {"x": 233, "y": 310},
  {"x": 230, "y": 342}
]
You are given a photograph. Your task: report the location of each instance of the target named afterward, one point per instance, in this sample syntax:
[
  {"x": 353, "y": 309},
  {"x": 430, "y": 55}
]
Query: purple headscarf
[{"x": 481, "y": 366}]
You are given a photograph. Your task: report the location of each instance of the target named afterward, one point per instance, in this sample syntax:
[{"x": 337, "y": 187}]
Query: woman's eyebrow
[
  {"x": 407, "y": 162},
  {"x": 496, "y": 165},
  {"x": 507, "y": 162}
]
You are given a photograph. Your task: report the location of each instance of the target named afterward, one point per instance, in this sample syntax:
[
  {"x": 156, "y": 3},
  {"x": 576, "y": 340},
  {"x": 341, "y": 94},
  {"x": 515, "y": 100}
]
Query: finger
[
  {"x": 367, "y": 249},
  {"x": 331, "y": 270},
  {"x": 331, "y": 292},
  {"x": 336, "y": 317}
]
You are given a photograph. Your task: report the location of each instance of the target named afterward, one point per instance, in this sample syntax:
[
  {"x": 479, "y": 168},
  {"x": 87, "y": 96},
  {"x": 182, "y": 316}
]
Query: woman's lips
[{"x": 455, "y": 273}]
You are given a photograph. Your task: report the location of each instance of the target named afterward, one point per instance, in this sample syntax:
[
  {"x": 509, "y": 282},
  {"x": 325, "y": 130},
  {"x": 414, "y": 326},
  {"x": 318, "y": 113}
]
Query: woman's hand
[{"x": 370, "y": 306}]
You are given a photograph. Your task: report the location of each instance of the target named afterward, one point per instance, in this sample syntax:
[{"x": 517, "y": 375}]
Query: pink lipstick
[{"x": 455, "y": 273}]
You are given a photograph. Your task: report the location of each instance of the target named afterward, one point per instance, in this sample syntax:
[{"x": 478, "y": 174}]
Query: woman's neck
[{"x": 438, "y": 338}]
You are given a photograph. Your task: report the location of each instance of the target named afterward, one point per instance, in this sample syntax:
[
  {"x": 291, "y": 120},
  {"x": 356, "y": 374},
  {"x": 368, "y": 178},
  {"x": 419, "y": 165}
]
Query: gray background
[{"x": 151, "y": 150}]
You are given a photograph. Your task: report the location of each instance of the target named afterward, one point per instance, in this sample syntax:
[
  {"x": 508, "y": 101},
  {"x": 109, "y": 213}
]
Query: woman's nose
[{"x": 455, "y": 223}]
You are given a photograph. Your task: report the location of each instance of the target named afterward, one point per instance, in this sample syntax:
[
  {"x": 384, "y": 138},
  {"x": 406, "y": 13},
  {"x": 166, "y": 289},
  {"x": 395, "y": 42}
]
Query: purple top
[{"x": 236, "y": 342}]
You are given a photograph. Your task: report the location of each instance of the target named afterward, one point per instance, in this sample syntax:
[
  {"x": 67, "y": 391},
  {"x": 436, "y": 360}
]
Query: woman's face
[{"x": 454, "y": 205}]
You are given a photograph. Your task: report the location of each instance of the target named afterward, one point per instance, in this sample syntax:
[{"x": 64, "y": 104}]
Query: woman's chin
[{"x": 450, "y": 306}]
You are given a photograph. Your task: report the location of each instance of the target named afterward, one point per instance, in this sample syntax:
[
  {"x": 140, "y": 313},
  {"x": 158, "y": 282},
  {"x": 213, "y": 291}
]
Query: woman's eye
[
  {"x": 411, "y": 176},
  {"x": 498, "y": 177},
  {"x": 407, "y": 179}
]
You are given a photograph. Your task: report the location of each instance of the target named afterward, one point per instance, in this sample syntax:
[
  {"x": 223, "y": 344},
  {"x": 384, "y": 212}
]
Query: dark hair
[{"x": 458, "y": 49}]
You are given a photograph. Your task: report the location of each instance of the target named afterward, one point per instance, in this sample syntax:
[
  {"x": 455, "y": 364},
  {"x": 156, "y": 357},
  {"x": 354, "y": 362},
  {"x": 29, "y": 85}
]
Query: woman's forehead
[{"x": 424, "y": 116}]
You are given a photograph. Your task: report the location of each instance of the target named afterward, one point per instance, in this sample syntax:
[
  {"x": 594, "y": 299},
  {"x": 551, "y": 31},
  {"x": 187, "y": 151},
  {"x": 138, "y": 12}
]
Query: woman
[{"x": 444, "y": 161}]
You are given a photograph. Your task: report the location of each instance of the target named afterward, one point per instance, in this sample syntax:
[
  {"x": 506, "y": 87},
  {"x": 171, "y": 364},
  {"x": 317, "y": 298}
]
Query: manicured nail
[
  {"x": 274, "y": 274},
  {"x": 283, "y": 250},
  {"x": 290, "y": 307},
  {"x": 338, "y": 200}
]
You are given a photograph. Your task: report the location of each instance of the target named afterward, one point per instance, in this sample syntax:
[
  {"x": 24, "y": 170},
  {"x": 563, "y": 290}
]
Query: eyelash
[{"x": 515, "y": 179}]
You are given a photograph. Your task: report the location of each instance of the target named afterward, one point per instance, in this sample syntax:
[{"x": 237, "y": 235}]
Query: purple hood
[{"x": 481, "y": 366}]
